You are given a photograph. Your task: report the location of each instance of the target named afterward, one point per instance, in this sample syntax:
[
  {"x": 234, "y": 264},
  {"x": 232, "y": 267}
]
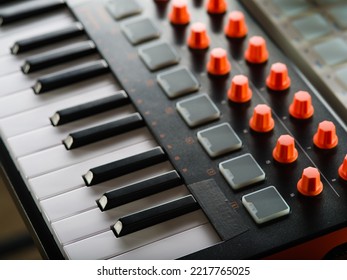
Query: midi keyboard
[{"x": 164, "y": 130}]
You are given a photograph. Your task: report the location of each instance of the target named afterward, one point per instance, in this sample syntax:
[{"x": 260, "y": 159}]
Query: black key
[
  {"x": 47, "y": 38},
  {"x": 70, "y": 76},
  {"x": 155, "y": 215},
  {"x": 101, "y": 132},
  {"x": 28, "y": 9},
  {"x": 89, "y": 109},
  {"x": 124, "y": 166},
  {"x": 6, "y": 1},
  {"x": 139, "y": 190},
  {"x": 58, "y": 56}
]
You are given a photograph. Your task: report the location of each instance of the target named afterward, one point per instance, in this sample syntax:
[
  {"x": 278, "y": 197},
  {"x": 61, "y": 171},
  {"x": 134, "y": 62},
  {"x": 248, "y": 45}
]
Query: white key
[
  {"x": 50, "y": 136},
  {"x": 15, "y": 82},
  {"x": 94, "y": 221},
  {"x": 58, "y": 157},
  {"x": 106, "y": 245},
  {"x": 83, "y": 199},
  {"x": 9, "y": 64},
  {"x": 70, "y": 178},
  {"x": 175, "y": 246},
  {"x": 27, "y": 100},
  {"x": 39, "y": 117}
]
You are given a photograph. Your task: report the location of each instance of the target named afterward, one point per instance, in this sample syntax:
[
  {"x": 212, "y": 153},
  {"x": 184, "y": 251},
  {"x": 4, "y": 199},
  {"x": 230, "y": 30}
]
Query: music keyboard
[{"x": 175, "y": 110}]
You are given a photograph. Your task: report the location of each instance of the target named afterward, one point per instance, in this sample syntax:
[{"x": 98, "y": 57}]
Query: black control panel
[{"x": 307, "y": 216}]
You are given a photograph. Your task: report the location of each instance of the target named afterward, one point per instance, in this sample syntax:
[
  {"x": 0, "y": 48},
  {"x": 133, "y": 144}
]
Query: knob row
[{"x": 180, "y": 15}]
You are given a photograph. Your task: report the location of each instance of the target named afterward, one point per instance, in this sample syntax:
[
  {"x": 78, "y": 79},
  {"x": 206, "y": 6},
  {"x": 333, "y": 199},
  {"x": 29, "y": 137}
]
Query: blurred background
[{"x": 15, "y": 240}]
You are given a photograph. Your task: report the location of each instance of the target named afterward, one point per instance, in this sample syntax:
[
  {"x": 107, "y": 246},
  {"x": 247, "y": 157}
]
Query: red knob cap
[
  {"x": 301, "y": 107},
  {"x": 198, "y": 38},
  {"x": 216, "y": 6},
  {"x": 325, "y": 137},
  {"x": 343, "y": 169},
  {"x": 285, "y": 151},
  {"x": 218, "y": 63},
  {"x": 236, "y": 26},
  {"x": 278, "y": 78},
  {"x": 239, "y": 90},
  {"x": 256, "y": 51},
  {"x": 179, "y": 12},
  {"x": 310, "y": 183},
  {"x": 262, "y": 120}
]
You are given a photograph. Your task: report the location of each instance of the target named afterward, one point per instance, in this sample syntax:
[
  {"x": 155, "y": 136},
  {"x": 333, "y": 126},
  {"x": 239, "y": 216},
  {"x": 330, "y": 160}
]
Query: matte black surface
[
  {"x": 158, "y": 214},
  {"x": 70, "y": 76},
  {"x": 58, "y": 56},
  {"x": 81, "y": 111},
  {"x": 28, "y": 9},
  {"x": 141, "y": 189},
  {"x": 104, "y": 131},
  {"x": 224, "y": 218},
  {"x": 45, "y": 39},
  {"x": 125, "y": 166}
]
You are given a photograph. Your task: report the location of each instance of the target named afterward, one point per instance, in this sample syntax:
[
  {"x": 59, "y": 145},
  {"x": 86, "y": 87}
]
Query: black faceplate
[{"x": 310, "y": 216}]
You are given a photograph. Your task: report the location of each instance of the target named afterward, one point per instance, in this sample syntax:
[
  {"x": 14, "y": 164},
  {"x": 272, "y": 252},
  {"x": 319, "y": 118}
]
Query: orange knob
[
  {"x": 310, "y": 183},
  {"x": 179, "y": 12},
  {"x": 262, "y": 120},
  {"x": 236, "y": 27},
  {"x": 343, "y": 169},
  {"x": 198, "y": 38},
  {"x": 216, "y": 6},
  {"x": 325, "y": 137},
  {"x": 256, "y": 51},
  {"x": 218, "y": 63},
  {"x": 239, "y": 90},
  {"x": 285, "y": 151},
  {"x": 301, "y": 107},
  {"x": 278, "y": 78}
]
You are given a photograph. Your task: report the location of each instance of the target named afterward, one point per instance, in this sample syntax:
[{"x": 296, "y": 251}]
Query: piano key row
[{"x": 56, "y": 179}]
